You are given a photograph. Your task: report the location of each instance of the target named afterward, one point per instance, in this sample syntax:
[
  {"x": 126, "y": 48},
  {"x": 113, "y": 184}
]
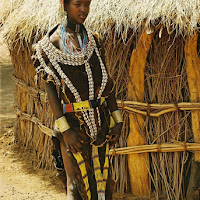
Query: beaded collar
[
  {"x": 67, "y": 45},
  {"x": 56, "y": 56}
]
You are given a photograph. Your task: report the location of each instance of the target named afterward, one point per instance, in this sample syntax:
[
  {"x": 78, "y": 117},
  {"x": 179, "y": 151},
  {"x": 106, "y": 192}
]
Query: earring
[
  {"x": 65, "y": 18},
  {"x": 62, "y": 1}
]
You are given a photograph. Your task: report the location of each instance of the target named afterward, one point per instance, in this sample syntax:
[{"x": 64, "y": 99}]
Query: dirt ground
[{"x": 19, "y": 180}]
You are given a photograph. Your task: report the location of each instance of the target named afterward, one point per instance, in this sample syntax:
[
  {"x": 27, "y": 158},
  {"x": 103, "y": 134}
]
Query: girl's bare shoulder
[{"x": 54, "y": 36}]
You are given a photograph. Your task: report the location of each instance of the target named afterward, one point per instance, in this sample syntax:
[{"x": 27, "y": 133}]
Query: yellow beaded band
[
  {"x": 62, "y": 124},
  {"x": 117, "y": 116}
]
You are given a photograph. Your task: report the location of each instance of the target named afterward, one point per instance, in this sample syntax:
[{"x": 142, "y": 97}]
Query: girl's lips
[{"x": 82, "y": 16}]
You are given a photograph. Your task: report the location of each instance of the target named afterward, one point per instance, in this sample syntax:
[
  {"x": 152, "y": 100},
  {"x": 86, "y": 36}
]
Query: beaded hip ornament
[{"x": 56, "y": 56}]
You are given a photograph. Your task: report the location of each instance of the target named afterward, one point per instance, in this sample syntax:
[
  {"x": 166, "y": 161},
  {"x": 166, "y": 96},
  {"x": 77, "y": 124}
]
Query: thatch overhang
[
  {"x": 25, "y": 18},
  {"x": 181, "y": 16}
]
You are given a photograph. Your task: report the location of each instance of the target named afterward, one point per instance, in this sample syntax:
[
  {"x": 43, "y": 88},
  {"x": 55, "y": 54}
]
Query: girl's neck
[{"x": 77, "y": 28}]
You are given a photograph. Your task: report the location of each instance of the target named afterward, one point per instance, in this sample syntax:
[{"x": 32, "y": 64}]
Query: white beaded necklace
[{"x": 56, "y": 56}]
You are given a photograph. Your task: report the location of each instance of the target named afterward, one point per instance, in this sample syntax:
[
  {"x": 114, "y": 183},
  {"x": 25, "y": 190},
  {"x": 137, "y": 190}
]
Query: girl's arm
[
  {"x": 115, "y": 132},
  {"x": 70, "y": 136}
]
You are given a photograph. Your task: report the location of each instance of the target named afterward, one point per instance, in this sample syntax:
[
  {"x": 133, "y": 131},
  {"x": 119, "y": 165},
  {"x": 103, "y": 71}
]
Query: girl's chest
[{"x": 80, "y": 78}]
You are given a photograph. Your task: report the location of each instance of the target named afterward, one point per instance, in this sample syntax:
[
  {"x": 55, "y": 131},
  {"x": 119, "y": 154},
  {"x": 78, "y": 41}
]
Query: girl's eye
[{"x": 77, "y": 4}]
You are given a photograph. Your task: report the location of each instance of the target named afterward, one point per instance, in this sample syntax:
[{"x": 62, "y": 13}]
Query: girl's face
[{"x": 77, "y": 10}]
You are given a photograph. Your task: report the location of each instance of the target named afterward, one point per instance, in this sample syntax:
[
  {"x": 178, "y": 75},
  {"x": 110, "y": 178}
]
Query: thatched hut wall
[
  {"x": 165, "y": 81},
  {"x": 32, "y": 108},
  {"x": 22, "y": 24},
  {"x": 153, "y": 42}
]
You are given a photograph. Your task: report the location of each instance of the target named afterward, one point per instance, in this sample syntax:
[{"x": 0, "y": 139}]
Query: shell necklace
[{"x": 56, "y": 56}]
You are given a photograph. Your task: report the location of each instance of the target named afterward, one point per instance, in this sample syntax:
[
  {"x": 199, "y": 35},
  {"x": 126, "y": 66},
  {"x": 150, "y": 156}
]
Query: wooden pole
[
  {"x": 193, "y": 76},
  {"x": 138, "y": 164}
]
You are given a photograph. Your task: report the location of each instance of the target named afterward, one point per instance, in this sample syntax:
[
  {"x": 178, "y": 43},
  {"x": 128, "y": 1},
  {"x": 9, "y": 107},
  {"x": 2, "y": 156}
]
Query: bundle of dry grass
[
  {"x": 22, "y": 19},
  {"x": 181, "y": 16},
  {"x": 166, "y": 81},
  {"x": 25, "y": 18}
]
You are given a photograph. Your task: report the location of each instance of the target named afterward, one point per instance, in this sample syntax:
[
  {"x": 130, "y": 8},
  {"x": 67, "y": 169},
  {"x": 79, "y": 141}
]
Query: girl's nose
[{"x": 83, "y": 8}]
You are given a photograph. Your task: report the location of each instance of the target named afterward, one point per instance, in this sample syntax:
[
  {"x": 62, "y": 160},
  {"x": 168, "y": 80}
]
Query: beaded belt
[{"x": 83, "y": 105}]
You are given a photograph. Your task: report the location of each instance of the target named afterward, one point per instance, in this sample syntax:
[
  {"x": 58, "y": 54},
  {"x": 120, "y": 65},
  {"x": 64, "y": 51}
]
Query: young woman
[{"x": 81, "y": 96}]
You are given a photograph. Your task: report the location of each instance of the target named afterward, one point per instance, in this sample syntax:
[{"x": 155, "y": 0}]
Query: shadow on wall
[{"x": 7, "y": 113}]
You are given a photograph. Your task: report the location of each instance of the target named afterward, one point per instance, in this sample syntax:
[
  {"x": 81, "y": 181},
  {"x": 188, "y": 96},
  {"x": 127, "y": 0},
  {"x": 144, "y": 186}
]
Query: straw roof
[
  {"x": 22, "y": 19},
  {"x": 179, "y": 15},
  {"x": 25, "y": 17}
]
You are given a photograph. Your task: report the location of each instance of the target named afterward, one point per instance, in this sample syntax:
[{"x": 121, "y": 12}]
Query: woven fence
[{"x": 164, "y": 117}]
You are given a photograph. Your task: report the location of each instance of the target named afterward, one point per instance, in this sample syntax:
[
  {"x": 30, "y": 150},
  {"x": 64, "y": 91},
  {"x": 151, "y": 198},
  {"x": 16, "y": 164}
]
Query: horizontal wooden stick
[
  {"x": 166, "y": 147},
  {"x": 155, "y": 110},
  {"x": 25, "y": 116},
  {"x": 161, "y": 148},
  {"x": 32, "y": 91}
]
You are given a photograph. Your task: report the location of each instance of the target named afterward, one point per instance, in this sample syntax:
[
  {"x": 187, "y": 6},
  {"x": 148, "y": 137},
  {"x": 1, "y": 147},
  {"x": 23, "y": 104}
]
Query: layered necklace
[
  {"x": 67, "y": 44},
  {"x": 73, "y": 57}
]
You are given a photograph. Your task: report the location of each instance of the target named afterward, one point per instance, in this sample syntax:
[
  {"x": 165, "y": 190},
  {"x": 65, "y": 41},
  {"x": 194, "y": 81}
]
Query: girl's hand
[
  {"x": 114, "y": 134},
  {"x": 73, "y": 140}
]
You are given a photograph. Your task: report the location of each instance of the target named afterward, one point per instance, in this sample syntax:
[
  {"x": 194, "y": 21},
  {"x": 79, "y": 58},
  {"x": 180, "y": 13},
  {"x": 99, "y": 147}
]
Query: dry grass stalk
[
  {"x": 166, "y": 82},
  {"x": 117, "y": 59}
]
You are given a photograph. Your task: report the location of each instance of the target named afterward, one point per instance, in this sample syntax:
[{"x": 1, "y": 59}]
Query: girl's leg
[{"x": 72, "y": 190}]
